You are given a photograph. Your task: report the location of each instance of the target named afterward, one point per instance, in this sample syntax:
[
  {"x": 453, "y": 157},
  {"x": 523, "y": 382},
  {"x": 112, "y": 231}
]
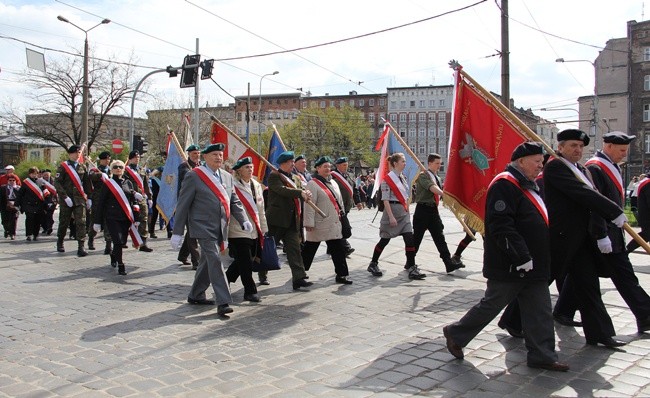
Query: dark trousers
[
  {"x": 627, "y": 284},
  {"x": 633, "y": 245},
  {"x": 427, "y": 218},
  {"x": 47, "y": 222},
  {"x": 9, "y": 219},
  {"x": 189, "y": 248},
  {"x": 119, "y": 231},
  {"x": 291, "y": 238},
  {"x": 243, "y": 250},
  {"x": 153, "y": 219},
  {"x": 409, "y": 249},
  {"x": 535, "y": 301},
  {"x": 65, "y": 215},
  {"x": 33, "y": 224},
  {"x": 335, "y": 246}
]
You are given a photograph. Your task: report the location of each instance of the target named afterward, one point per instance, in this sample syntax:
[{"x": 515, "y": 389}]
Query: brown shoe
[
  {"x": 453, "y": 348},
  {"x": 553, "y": 366}
]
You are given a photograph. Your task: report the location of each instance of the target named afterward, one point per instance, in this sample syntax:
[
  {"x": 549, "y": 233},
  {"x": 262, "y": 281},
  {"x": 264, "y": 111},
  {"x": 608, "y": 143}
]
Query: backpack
[{"x": 378, "y": 201}]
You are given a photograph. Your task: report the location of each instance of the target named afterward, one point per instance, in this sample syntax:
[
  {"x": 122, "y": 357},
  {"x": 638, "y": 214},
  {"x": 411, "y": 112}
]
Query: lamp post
[
  {"x": 259, "y": 114},
  {"x": 84, "y": 100},
  {"x": 595, "y": 102}
]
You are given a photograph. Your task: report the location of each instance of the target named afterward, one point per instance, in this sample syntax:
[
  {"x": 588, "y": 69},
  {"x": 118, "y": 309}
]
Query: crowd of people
[{"x": 569, "y": 231}]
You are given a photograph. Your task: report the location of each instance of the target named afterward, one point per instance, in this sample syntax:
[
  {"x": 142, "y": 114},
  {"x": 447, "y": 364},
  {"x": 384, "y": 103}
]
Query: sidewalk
[{"x": 72, "y": 327}]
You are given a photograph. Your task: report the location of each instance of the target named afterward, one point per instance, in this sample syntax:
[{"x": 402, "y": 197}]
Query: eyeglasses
[{"x": 117, "y": 167}]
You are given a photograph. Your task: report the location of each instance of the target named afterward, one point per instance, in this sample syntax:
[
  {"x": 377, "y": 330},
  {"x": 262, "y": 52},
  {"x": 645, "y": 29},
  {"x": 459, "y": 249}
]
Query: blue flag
[
  {"x": 167, "y": 196},
  {"x": 412, "y": 169},
  {"x": 276, "y": 147}
]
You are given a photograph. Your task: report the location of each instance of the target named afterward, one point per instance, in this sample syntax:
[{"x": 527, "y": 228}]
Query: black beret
[
  {"x": 285, "y": 156},
  {"x": 300, "y": 157},
  {"x": 104, "y": 155},
  {"x": 527, "y": 149},
  {"x": 342, "y": 159},
  {"x": 242, "y": 162},
  {"x": 323, "y": 159},
  {"x": 74, "y": 149},
  {"x": 573, "y": 134},
  {"x": 47, "y": 171},
  {"x": 214, "y": 147},
  {"x": 617, "y": 137},
  {"x": 133, "y": 154},
  {"x": 193, "y": 147}
]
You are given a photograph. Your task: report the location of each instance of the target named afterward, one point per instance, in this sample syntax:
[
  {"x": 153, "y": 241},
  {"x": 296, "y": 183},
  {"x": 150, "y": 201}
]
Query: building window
[
  {"x": 239, "y": 117},
  {"x": 442, "y": 116},
  {"x": 442, "y": 103},
  {"x": 412, "y": 132},
  {"x": 402, "y": 117},
  {"x": 332, "y": 104},
  {"x": 432, "y": 117},
  {"x": 646, "y": 53},
  {"x": 423, "y": 103},
  {"x": 421, "y": 149},
  {"x": 432, "y": 103},
  {"x": 352, "y": 103},
  {"x": 393, "y": 104},
  {"x": 646, "y": 82},
  {"x": 371, "y": 117},
  {"x": 411, "y": 117},
  {"x": 285, "y": 115},
  {"x": 382, "y": 102},
  {"x": 361, "y": 102},
  {"x": 402, "y": 104},
  {"x": 422, "y": 132},
  {"x": 612, "y": 104},
  {"x": 441, "y": 131},
  {"x": 322, "y": 104},
  {"x": 412, "y": 104},
  {"x": 393, "y": 118},
  {"x": 646, "y": 113},
  {"x": 422, "y": 117},
  {"x": 371, "y": 102},
  {"x": 342, "y": 103},
  {"x": 646, "y": 143}
]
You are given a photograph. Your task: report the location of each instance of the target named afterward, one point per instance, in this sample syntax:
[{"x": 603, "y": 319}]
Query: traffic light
[
  {"x": 139, "y": 144},
  {"x": 206, "y": 69},
  {"x": 190, "y": 70},
  {"x": 173, "y": 72}
]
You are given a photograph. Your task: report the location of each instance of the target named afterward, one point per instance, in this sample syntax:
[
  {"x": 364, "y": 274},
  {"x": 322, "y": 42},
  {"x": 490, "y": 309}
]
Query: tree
[
  {"x": 331, "y": 132},
  {"x": 56, "y": 98}
]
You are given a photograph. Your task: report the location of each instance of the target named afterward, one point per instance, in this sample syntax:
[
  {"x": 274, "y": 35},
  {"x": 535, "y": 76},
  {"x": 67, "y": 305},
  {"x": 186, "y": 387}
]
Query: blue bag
[{"x": 268, "y": 259}]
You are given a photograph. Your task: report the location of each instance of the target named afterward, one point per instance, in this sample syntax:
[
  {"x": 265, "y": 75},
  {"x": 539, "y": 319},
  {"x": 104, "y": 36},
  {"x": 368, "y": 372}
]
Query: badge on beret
[{"x": 500, "y": 205}]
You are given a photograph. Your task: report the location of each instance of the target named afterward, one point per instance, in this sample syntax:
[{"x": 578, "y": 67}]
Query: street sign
[{"x": 117, "y": 146}]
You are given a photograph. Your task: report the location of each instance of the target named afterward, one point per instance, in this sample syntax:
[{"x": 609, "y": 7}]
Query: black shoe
[
  {"x": 60, "y": 249},
  {"x": 454, "y": 349},
  {"x": 566, "y": 321},
  {"x": 301, "y": 283},
  {"x": 519, "y": 334},
  {"x": 184, "y": 262},
  {"x": 349, "y": 251},
  {"x": 82, "y": 253},
  {"x": 145, "y": 248},
  {"x": 113, "y": 264},
  {"x": 125, "y": 246},
  {"x": 153, "y": 236},
  {"x": 29, "y": 238},
  {"x": 120, "y": 269},
  {"x": 91, "y": 245},
  {"x": 254, "y": 297},
  {"x": 224, "y": 309},
  {"x": 373, "y": 268},
  {"x": 553, "y": 366},
  {"x": 607, "y": 342},
  {"x": 265, "y": 282},
  {"x": 415, "y": 274},
  {"x": 643, "y": 325},
  {"x": 200, "y": 302},
  {"x": 343, "y": 280}
]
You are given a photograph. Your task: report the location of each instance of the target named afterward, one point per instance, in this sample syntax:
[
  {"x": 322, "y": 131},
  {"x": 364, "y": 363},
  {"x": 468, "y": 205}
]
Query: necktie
[{"x": 218, "y": 177}]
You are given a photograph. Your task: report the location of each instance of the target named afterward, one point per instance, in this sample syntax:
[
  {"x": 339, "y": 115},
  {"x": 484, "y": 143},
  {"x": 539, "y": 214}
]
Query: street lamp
[
  {"x": 595, "y": 102},
  {"x": 259, "y": 114},
  {"x": 84, "y": 101}
]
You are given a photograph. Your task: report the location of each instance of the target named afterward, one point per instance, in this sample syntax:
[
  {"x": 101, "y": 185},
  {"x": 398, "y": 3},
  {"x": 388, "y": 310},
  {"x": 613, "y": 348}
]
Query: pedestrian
[
  {"x": 154, "y": 179},
  {"x": 51, "y": 201},
  {"x": 245, "y": 245},
  {"x": 116, "y": 210},
  {"x": 8, "y": 207},
  {"x": 327, "y": 197},
  {"x": 9, "y": 172},
  {"x": 516, "y": 262},
  {"x": 284, "y": 214},
  {"x": 349, "y": 192},
  {"x": 190, "y": 247},
  {"x": 607, "y": 179},
  {"x": 300, "y": 169},
  {"x": 643, "y": 216},
  {"x": 428, "y": 191},
  {"x": 395, "y": 220},
  {"x": 96, "y": 175},
  {"x": 31, "y": 200},
  {"x": 207, "y": 203},
  {"x": 140, "y": 180},
  {"x": 72, "y": 185}
]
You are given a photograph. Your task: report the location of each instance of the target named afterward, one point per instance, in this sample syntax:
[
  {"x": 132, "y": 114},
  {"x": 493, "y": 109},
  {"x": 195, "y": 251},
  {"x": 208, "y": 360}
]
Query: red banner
[
  {"x": 235, "y": 149},
  {"x": 482, "y": 139}
]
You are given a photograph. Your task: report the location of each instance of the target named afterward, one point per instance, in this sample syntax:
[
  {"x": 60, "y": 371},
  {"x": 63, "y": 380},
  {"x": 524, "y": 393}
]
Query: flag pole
[
  {"x": 524, "y": 129},
  {"x": 422, "y": 168},
  {"x": 268, "y": 164},
  {"x": 278, "y": 133}
]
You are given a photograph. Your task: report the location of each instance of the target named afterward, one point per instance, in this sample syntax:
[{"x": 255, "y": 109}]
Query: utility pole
[
  {"x": 505, "y": 55},
  {"x": 197, "y": 114}
]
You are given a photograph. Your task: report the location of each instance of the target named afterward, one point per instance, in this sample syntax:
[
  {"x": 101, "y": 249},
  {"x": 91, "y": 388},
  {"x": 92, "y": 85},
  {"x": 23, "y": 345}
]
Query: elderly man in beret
[
  {"x": 140, "y": 180},
  {"x": 72, "y": 185},
  {"x": 207, "y": 204},
  {"x": 516, "y": 261},
  {"x": 300, "y": 169},
  {"x": 190, "y": 246},
  {"x": 349, "y": 191},
  {"x": 607, "y": 178},
  {"x": 283, "y": 214}
]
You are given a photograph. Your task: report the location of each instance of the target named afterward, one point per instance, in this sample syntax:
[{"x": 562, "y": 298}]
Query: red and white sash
[
  {"x": 576, "y": 171},
  {"x": 49, "y": 186},
  {"x": 74, "y": 176},
  {"x": 533, "y": 196},
  {"x": 436, "y": 197},
  {"x": 611, "y": 171},
  {"x": 398, "y": 188},
  {"x": 331, "y": 197},
  {"x": 251, "y": 208},
  {"x": 289, "y": 183},
  {"x": 135, "y": 177},
  {"x": 344, "y": 182},
  {"x": 119, "y": 195},
  {"x": 303, "y": 180},
  {"x": 34, "y": 188},
  {"x": 207, "y": 176},
  {"x": 645, "y": 181}
]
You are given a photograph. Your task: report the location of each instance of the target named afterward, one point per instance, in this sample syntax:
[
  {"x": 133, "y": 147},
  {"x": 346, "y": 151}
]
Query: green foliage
[
  {"x": 23, "y": 167},
  {"x": 630, "y": 217}
]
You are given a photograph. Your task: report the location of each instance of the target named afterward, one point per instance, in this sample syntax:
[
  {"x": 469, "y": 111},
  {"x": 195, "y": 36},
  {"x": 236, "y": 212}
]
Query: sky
[{"x": 159, "y": 33}]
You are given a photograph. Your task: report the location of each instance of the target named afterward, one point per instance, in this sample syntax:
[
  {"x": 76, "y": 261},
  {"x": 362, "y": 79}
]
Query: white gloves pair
[
  {"x": 247, "y": 226},
  {"x": 526, "y": 266},
  {"x": 176, "y": 242}
]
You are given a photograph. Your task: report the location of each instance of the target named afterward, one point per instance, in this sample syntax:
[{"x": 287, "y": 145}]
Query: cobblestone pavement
[{"x": 72, "y": 327}]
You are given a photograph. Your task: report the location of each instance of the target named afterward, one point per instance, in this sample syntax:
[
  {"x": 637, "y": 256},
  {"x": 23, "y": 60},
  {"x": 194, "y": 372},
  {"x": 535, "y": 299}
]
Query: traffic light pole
[{"x": 196, "y": 103}]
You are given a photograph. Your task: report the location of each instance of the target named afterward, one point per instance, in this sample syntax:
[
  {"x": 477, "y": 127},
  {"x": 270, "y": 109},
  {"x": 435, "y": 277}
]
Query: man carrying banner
[
  {"x": 283, "y": 214},
  {"x": 140, "y": 181},
  {"x": 426, "y": 217},
  {"x": 72, "y": 183},
  {"x": 610, "y": 238},
  {"x": 206, "y": 203},
  {"x": 516, "y": 261},
  {"x": 190, "y": 246},
  {"x": 349, "y": 191}
]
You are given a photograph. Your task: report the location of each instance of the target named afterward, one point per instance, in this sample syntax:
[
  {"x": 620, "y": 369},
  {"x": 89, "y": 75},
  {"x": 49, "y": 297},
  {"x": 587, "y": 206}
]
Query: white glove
[
  {"x": 247, "y": 226},
  {"x": 97, "y": 227},
  {"x": 68, "y": 201},
  {"x": 526, "y": 266},
  {"x": 620, "y": 220},
  {"x": 137, "y": 223},
  {"x": 604, "y": 245},
  {"x": 138, "y": 196},
  {"x": 176, "y": 241},
  {"x": 150, "y": 203},
  {"x": 89, "y": 204}
]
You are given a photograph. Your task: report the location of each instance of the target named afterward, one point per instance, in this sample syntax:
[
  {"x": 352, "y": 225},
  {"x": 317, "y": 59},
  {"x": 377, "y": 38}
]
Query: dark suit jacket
[{"x": 280, "y": 206}]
